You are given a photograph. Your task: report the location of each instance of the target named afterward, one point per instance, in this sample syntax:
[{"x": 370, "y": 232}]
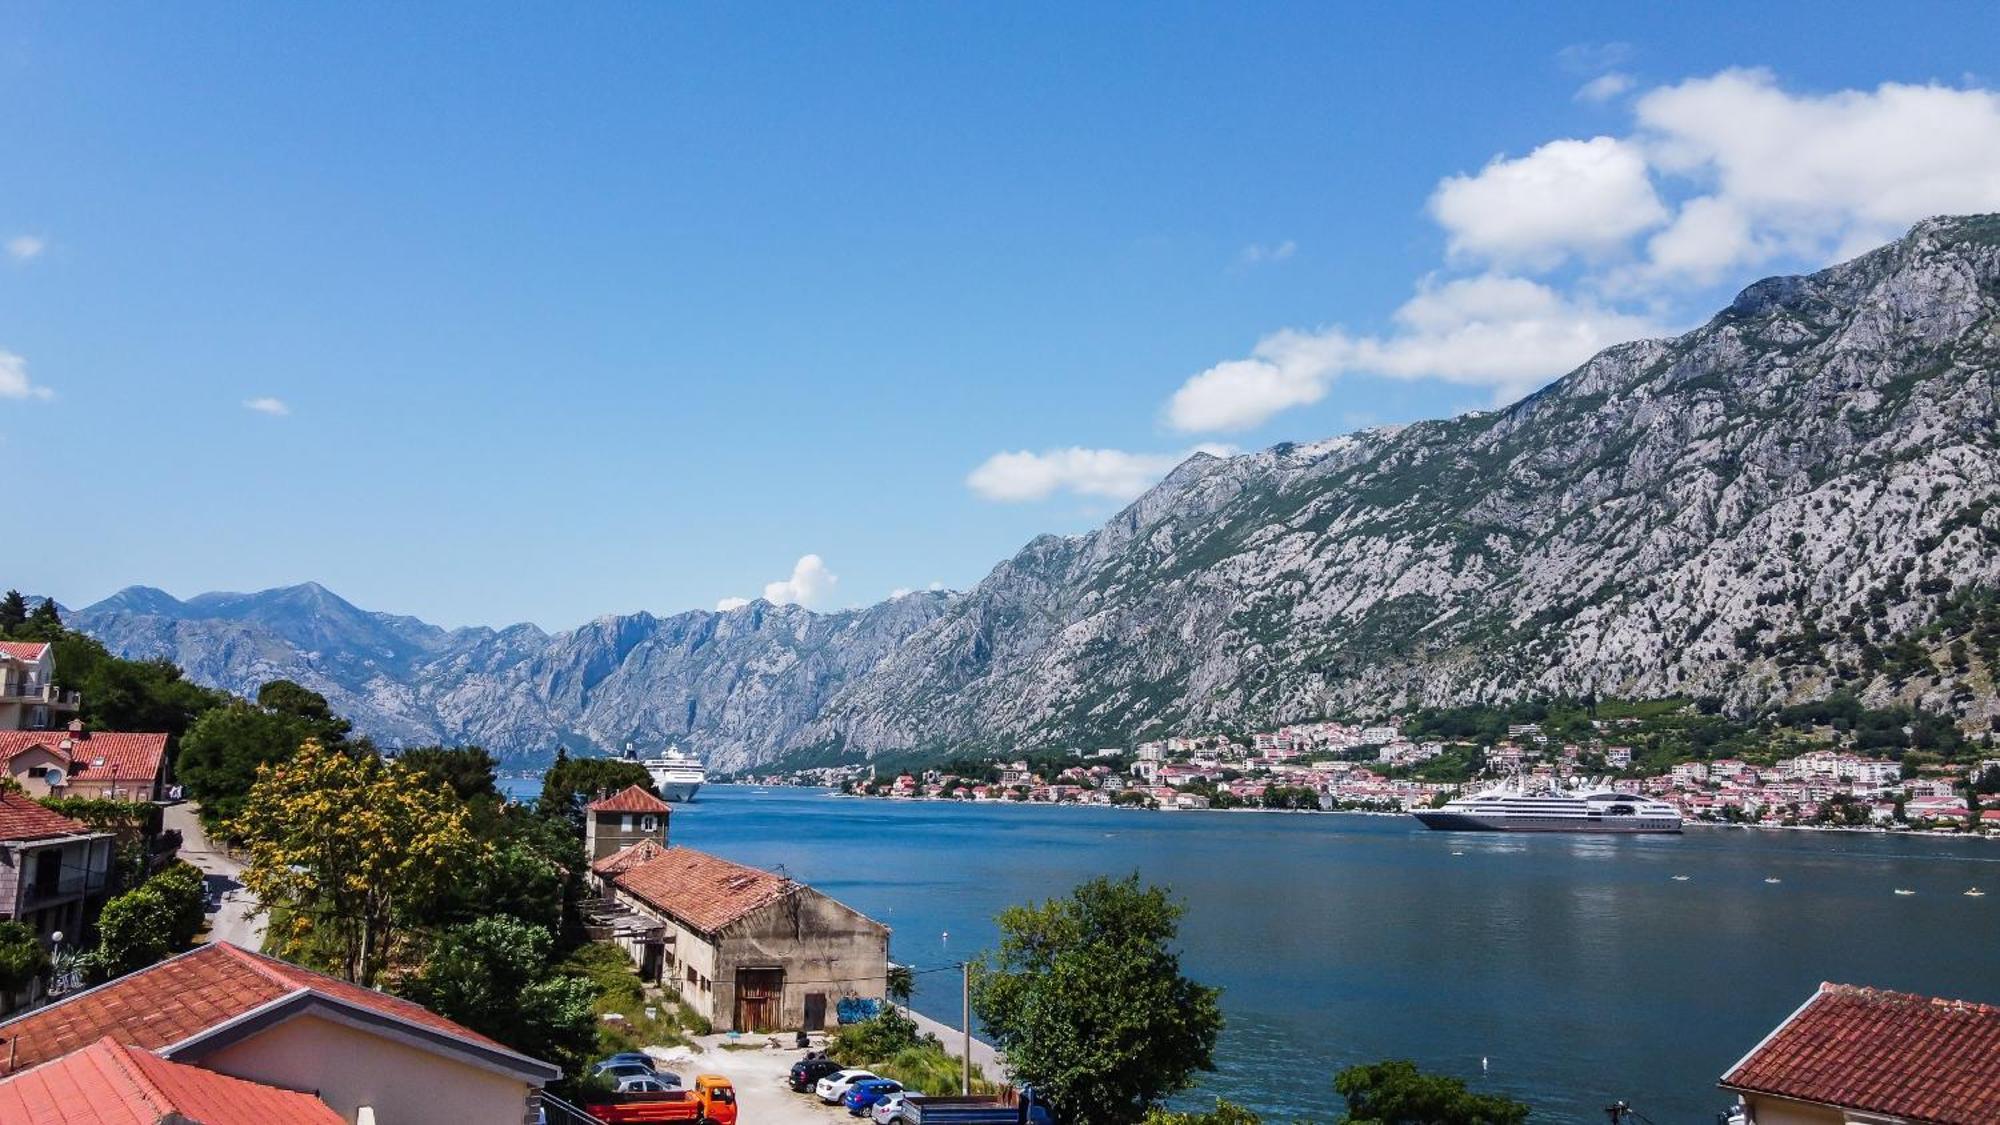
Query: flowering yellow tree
[{"x": 338, "y": 841}]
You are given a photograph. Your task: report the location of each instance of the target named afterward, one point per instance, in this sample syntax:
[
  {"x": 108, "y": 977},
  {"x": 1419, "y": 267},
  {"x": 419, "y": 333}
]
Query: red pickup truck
[{"x": 711, "y": 1102}]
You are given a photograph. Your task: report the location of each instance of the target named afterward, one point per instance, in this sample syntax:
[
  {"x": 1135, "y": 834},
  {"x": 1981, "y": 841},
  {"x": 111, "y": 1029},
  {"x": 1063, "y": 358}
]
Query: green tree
[
  {"x": 148, "y": 923},
  {"x": 495, "y": 976},
  {"x": 22, "y": 958},
  {"x": 339, "y": 845},
  {"x": 13, "y": 613},
  {"x": 44, "y": 623},
  {"x": 224, "y": 749},
  {"x": 1224, "y": 1113},
  {"x": 572, "y": 783},
  {"x": 1086, "y": 998},
  {"x": 468, "y": 771},
  {"x": 1395, "y": 1092}
]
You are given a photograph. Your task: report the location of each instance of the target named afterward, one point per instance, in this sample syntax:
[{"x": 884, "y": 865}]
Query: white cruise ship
[
  {"x": 676, "y": 774},
  {"x": 1510, "y": 810}
]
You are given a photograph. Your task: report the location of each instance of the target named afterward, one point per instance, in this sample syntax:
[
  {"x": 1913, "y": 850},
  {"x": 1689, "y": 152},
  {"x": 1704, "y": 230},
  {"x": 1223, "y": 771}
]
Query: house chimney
[{"x": 76, "y": 729}]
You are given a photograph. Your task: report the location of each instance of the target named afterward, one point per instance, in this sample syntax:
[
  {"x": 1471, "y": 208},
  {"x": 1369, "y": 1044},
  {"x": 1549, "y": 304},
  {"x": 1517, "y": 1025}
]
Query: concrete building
[
  {"x": 29, "y": 696},
  {"x": 226, "y": 1011},
  {"x": 612, "y": 824},
  {"x": 749, "y": 950},
  {"x": 50, "y": 867},
  {"x": 1852, "y": 1055}
]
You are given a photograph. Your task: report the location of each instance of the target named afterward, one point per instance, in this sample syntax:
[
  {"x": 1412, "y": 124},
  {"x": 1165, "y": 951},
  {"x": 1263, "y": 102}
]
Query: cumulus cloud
[
  {"x": 1113, "y": 473},
  {"x": 1507, "y": 333},
  {"x": 26, "y": 247},
  {"x": 726, "y": 604},
  {"x": 1582, "y": 243},
  {"x": 1810, "y": 176},
  {"x": 14, "y": 381},
  {"x": 1566, "y": 197},
  {"x": 276, "y": 408},
  {"x": 810, "y": 584}
]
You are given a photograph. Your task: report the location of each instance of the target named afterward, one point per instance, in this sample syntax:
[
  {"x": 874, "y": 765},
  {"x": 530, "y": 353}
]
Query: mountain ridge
[{"x": 1815, "y": 461}]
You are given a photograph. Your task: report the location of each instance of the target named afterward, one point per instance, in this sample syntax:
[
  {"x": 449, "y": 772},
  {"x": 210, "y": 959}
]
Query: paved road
[{"x": 229, "y": 907}]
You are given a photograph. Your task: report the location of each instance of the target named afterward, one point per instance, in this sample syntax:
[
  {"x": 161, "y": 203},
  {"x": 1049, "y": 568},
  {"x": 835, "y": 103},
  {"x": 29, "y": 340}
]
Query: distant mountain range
[{"x": 1735, "y": 512}]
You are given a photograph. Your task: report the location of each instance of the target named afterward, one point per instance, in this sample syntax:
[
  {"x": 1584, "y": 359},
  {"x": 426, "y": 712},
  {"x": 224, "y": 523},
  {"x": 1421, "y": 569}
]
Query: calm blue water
[{"x": 1577, "y": 966}]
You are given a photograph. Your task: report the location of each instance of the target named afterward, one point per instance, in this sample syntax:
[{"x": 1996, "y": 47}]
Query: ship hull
[
  {"x": 1465, "y": 822},
  {"x": 679, "y": 791}
]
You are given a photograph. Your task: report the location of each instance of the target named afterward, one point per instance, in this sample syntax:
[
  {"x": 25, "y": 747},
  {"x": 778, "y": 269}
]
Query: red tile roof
[
  {"x": 181, "y": 997},
  {"x": 705, "y": 891},
  {"x": 108, "y": 1083},
  {"x": 632, "y": 798},
  {"x": 22, "y": 819},
  {"x": 1914, "y": 1057},
  {"x": 23, "y": 650},
  {"x": 129, "y": 758},
  {"x": 628, "y": 857}
]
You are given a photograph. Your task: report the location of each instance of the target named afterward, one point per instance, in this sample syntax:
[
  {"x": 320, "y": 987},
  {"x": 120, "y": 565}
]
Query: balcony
[
  {"x": 38, "y": 893},
  {"x": 39, "y": 691}
]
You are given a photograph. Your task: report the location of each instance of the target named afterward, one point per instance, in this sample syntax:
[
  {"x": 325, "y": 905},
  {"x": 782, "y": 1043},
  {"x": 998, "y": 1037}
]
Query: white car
[
  {"x": 890, "y": 1108},
  {"x": 834, "y": 1086},
  {"x": 643, "y": 1084}
]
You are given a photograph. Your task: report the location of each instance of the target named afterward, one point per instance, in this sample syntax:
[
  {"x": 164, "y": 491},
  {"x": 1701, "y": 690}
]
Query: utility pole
[{"x": 965, "y": 994}]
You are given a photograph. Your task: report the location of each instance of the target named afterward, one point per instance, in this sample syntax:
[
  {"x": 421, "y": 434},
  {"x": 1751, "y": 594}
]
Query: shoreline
[{"x": 1686, "y": 824}]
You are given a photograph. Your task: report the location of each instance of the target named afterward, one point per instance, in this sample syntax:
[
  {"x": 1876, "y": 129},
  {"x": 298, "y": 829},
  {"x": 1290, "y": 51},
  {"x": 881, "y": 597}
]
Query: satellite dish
[{"x": 54, "y": 776}]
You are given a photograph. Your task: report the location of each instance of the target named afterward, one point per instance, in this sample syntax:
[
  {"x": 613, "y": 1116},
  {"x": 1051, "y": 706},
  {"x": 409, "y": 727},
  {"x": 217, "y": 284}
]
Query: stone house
[{"x": 747, "y": 949}]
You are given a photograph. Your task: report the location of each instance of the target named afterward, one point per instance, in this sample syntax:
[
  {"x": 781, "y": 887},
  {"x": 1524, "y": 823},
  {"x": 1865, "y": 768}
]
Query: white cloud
[
  {"x": 1507, "y": 333},
  {"x": 14, "y": 381},
  {"x": 1114, "y": 473},
  {"x": 276, "y": 408},
  {"x": 1717, "y": 175},
  {"x": 1258, "y": 253},
  {"x": 1604, "y": 87},
  {"x": 726, "y": 604},
  {"x": 26, "y": 247},
  {"x": 1566, "y": 197},
  {"x": 808, "y": 586},
  {"x": 1809, "y": 176},
  {"x": 900, "y": 592}
]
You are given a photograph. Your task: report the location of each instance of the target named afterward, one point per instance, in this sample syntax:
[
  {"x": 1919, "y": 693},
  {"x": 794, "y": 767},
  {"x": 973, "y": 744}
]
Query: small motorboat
[
  {"x": 1904, "y": 891},
  {"x": 1774, "y": 879},
  {"x": 1680, "y": 878},
  {"x": 1975, "y": 892}
]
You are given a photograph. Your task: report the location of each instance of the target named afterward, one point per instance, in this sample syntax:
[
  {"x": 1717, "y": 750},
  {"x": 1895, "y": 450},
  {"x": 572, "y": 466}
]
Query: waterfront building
[
  {"x": 274, "y": 1026},
  {"x": 1852, "y": 1054},
  {"x": 30, "y": 698}
]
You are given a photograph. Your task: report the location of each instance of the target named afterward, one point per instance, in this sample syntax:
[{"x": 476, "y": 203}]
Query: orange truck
[{"x": 711, "y": 1102}]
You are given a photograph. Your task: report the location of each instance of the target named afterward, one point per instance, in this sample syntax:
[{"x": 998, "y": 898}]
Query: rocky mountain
[{"x": 1748, "y": 511}]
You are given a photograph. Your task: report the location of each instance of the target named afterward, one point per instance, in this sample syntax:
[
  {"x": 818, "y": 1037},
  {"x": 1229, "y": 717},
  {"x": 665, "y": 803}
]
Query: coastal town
[{"x": 1332, "y": 766}]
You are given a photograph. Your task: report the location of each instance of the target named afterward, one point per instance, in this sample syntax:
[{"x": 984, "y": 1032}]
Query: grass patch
[{"x": 620, "y": 992}]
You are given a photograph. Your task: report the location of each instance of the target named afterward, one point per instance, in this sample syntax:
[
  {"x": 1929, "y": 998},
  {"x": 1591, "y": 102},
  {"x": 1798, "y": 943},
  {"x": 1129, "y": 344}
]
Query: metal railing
[
  {"x": 41, "y": 892},
  {"x": 37, "y": 691},
  {"x": 556, "y": 1111}
]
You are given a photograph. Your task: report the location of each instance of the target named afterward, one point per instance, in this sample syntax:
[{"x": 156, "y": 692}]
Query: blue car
[{"x": 862, "y": 1096}]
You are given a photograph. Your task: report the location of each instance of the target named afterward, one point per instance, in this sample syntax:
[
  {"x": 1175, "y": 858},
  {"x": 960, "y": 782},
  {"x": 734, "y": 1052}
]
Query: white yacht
[
  {"x": 1511, "y": 810},
  {"x": 677, "y": 774}
]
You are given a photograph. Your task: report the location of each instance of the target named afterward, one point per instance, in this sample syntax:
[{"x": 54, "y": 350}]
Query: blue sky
[{"x": 538, "y": 313}]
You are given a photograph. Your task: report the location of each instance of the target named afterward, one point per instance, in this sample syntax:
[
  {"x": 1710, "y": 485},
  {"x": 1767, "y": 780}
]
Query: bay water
[{"x": 1567, "y": 971}]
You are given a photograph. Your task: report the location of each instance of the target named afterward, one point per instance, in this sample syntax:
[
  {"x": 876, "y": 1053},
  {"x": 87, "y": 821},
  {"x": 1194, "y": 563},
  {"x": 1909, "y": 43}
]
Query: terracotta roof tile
[
  {"x": 183, "y": 996},
  {"x": 705, "y": 891},
  {"x": 628, "y": 857},
  {"x": 128, "y": 757},
  {"x": 632, "y": 799},
  {"x": 1915, "y": 1057},
  {"x": 22, "y": 819},
  {"x": 23, "y": 650},
  {"x": 107, "y": 1083}
]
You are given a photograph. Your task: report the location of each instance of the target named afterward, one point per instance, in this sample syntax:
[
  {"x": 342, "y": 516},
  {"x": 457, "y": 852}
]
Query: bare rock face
[{"x": 1737, "y": 512}]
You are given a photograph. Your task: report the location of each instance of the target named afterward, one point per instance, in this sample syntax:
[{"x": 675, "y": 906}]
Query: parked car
[
  {"x": 643, "y": 1084},
  {"x": 640, "y": 1057},
  {"x": 834, "y": 1086},
  {"x": 806, "y": 1073},
  {"x": 617, "y": 1070},
  {"x": 862, "y": 1096},
  {"x": 889, "y": 1108}
]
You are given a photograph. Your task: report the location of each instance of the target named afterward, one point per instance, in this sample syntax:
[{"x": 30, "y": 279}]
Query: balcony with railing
[
  {"x": 29, "y": 689},
  {"x": 38, "y": 893}
]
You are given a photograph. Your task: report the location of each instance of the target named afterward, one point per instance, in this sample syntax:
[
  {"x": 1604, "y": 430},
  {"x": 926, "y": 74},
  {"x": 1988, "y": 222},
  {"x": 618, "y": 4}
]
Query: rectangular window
[{"x": 625, "y": 823}]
